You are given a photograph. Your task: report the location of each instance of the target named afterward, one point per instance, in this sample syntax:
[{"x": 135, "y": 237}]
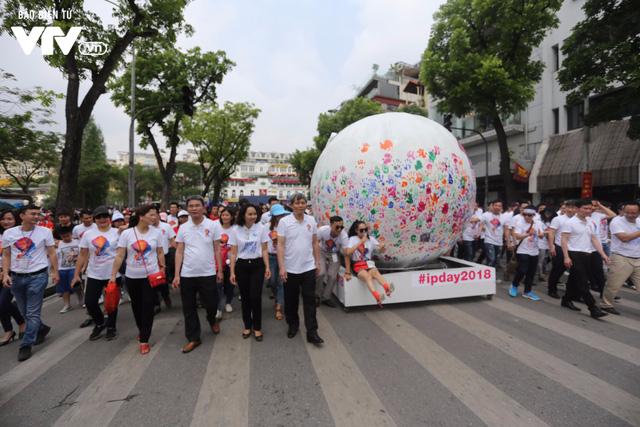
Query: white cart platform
[{"x": 457, "y": 279}]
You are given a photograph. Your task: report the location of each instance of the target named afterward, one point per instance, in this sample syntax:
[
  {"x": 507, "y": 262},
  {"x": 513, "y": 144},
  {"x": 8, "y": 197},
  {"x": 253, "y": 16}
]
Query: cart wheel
[{"x": 489, "y": 297}]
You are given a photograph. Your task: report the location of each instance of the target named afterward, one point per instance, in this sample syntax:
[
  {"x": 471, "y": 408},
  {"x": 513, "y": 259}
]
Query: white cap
[
  {"x": 117, "y": 216},
  {"x": 183, "y": 213}
]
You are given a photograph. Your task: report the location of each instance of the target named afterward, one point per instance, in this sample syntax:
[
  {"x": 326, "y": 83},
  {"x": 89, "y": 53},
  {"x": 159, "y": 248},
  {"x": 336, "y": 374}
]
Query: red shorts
[{"x": 359, "y": 266}]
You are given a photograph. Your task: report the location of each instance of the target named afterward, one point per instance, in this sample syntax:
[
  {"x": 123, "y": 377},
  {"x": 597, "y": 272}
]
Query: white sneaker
[
  {"x": 219, "y": 314},
  {"x": 228, "y": 308},
  {"x": 65, "y": 309}
]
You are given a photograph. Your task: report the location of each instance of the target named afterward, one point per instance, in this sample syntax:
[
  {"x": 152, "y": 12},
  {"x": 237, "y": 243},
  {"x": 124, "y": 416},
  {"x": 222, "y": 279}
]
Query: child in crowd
[{"x": 67, "y": 251}]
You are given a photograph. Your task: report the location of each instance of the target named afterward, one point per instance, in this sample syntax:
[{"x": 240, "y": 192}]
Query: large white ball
[{"x": 406, "y": 176}]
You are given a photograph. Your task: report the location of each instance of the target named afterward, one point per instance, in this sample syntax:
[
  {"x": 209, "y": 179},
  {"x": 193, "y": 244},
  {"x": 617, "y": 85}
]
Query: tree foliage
[
  {"x": 93, "y": 176},
  {"x": 162, "y": 19},
  {"x": 413, "y": 109},
  {"x": 601, "y": 55},
  {"x": 221, "y": 138},
  {"x": 333, "y": 121},
  {"x": 161, "y": 73},
  {"x": 478, "y": 59}
]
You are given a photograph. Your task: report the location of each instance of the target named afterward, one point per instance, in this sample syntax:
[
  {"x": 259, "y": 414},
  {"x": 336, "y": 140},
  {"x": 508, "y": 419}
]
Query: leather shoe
[
  {"x": 314, "y": 339},
  {"x": 328, "y": 303},
  {"x": 44, "y": 330},
  {"x": 610, "y": 310},
  {"x": 292, "y": 332},
  {"x": 24, "y": 353},
  {"x": 554, "y": 294},
  {"x": 215, "y": 328},
  {"x": 86, "y": 323},
  {"x": 190, "y": 346},
  {"x": 596, "y": 313},
  {"x": 568, "y": 304}
]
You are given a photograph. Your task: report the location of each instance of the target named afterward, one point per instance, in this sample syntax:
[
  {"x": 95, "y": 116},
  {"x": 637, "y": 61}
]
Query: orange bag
[{"x": 111, "y": 297}]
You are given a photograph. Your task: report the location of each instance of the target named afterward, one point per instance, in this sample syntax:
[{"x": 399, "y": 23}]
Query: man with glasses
[
  {"x": 299, "y": 262},
  {"x": 331, "y": 238}
]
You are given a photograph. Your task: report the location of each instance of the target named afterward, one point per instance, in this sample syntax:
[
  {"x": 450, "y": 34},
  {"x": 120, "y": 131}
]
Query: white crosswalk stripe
[
  {"x": 101, "y": 400},
  {"x": 618, "y": 402},
  {"x": 490, "y": 404},
  {"x": 224, "y": 394}
]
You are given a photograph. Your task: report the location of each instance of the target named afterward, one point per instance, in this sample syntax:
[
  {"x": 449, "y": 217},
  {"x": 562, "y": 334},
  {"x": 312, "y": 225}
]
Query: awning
[{"x": 614, "y": 158}]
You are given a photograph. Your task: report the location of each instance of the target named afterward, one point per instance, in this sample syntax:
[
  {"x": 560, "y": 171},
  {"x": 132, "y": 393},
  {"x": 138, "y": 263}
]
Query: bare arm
[
  {"x": 53, "y": 259},
  {"x": 565, "y": 249},
  {"x": 316, "y": 252},
  {"x": 265, "y": 259},
  {"x": 178, "y": 264},
  {"x": 233, "y": 255},
  {"x": 161, "y": 261},
  {"x": 281, "y": 267},
  {"x": 82, "y": 261},
  {"x": 219, "y": 263},
  {"x": 624, "y": 237},
  {"x": 6, "y": 266},
  {"x": 596, "y": 243},
  {"x": 117, "y": 262}
]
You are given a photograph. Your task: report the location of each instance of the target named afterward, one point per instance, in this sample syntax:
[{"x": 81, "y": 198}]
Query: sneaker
[
  {"x": 228, "y": 308},
  {"x": 111, "y": 335},
  {"x": 65, "y": 309},
  {"x": 531, "y": 295},
  {"x": 97, "y": 332},
  {"x": 630, "y": 286},
  {"x": 219, "y": 314},
  {"x": 513, "y": 291},
  {"x": 24, "y": 353}
]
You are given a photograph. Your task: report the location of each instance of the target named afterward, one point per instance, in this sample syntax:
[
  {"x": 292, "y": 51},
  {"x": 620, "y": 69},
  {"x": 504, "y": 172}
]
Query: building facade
[
  {"x": 399, "y": 86},
  {"x": 144, "y": 159}
]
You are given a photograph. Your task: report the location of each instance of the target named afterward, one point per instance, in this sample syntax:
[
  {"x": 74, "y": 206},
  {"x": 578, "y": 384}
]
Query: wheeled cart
[{"x": 450, "y": 278}]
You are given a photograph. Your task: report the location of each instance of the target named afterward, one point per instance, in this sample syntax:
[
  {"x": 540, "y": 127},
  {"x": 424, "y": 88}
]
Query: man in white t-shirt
[
  {"x": 579, "y": 241},
  {"x": 86, "y": 223},
  {"x": 299, "y": 263},
  {"x": 331, "y": 238},
  {"x": 168, "y": 242},
  {"x": 493, "y": 227},
  {"x": 25, "y": 249},
  {"x": 625, "y": 254},
  {"x": 172, "y": 218},
  {"x": 567, "y": 210},
  {"x": 266, "y": 217},
  {"x": 197, "y": 261}
]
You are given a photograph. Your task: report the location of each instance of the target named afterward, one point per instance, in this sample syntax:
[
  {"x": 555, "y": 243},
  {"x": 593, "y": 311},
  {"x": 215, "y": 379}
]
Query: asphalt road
[{"x": 504, "y": 362}]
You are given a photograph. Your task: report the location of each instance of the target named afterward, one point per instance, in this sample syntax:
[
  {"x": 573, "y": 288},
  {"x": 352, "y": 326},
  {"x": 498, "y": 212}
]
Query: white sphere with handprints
[{"x": 403, "y": 174}]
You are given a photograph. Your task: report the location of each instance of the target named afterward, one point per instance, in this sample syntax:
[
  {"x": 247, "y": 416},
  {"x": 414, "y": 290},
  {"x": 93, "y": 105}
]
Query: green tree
[
  {"x": 333, "y": 121},
  {"x": 188, "y": 180},
  {"x": 221, "y": 138},
  {"x": 93, "y": 182},
  {"x": 159, "y": 18},
  {"x": 161, "y": 75},
  {"x": 413, "y": 109},
  {"x": 479, "y": 59},
  {"x": 601, "y": 55},
  {"x": 148, "y": 183}
]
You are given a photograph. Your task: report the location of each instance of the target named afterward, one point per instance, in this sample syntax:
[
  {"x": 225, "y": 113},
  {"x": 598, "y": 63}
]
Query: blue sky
[{"x": 295, "y": 58}]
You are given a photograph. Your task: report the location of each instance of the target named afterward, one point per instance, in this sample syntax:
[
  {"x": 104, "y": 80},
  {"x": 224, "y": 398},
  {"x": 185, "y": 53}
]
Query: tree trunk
[
  {"x": 217, "y": 189},
  {"x": 505, "y": 160}
]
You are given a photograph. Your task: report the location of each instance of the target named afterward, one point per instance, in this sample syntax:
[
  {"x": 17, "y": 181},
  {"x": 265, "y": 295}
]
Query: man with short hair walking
[{"x": 25, "y": 249}]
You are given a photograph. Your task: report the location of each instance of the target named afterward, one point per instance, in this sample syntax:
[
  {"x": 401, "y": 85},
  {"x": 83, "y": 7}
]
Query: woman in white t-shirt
[
  {"x": 250, "y": 266},
  {"x": 358, "y": 252},
  {"x": 98, "y": 250},
  {"x": 527, "y": 234},
  {"x": 225, "y": 288},
  {"x": 142, "y": 246}
]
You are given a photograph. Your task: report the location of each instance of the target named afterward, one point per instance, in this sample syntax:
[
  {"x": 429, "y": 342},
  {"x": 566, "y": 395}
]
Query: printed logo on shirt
[
  {"x": 206, "y": 232},
  {"x": 309, "y": 227},
  {"x": 330, "y": 245},
  {"x": 224, "y": 238},
  {"x": 25, "y": 246},
  {"x": 363, "y": 251},
  {"x": 142, "y": 248},
  {"x": 273, "y": 235},
  {"x": 68, "y": 257},
  {"x": 251, "y": 247},
  {"x": 101, "y": 244},
  {"x": 495, "y": 223}
]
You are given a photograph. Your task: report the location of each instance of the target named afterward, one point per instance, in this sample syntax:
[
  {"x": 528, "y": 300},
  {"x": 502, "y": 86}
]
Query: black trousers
[
  {"x": 557, "y": 270},
  {"x": 250, "y": 276},
  {"x": 305, "y": 284},
  {"x": 92, "y": 296},
  {"x": 190, "y": 288},
  {"x": 142, "y": 298},
  {"x": 163, "y": 290},
  {"x": 527, "y": 266},
  {"x": 582, "y": 272},
  {"x": 8, "y": 310},
  {"x": 598, "y": 280}
]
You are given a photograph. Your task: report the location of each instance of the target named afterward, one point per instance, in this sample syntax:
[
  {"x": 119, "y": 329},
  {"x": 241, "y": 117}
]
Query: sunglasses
[
  {"x": 363, "y": 230},
  {"x": 527, "y": 215},
  {"x": 339, "y": 227}
]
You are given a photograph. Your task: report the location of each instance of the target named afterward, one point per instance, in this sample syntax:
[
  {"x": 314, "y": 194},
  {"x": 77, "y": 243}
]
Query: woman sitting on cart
[{"x": 359, "y": 251}]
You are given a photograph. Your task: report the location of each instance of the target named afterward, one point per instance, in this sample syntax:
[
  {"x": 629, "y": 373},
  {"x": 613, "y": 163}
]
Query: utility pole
[{"x": 131, "y": 183}]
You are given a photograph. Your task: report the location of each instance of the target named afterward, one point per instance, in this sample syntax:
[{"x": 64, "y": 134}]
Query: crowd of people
[
  {"x": 598, "y": 247},
  {"x": 205, "y": 252},
  {"x": 210, "y": 254}
]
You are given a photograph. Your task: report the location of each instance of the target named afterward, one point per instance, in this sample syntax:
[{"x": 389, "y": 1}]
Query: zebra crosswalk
[{"x": 503, "y": 362}]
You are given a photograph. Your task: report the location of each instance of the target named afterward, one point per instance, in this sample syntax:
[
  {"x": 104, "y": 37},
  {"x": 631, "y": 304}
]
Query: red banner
[{"x": 587, "y": 185}]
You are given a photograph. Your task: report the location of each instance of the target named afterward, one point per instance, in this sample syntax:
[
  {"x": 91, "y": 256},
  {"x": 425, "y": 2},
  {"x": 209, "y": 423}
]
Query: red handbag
[
  {"x": 155, "y": 279},
  {"x": 111, "y": 297}
]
